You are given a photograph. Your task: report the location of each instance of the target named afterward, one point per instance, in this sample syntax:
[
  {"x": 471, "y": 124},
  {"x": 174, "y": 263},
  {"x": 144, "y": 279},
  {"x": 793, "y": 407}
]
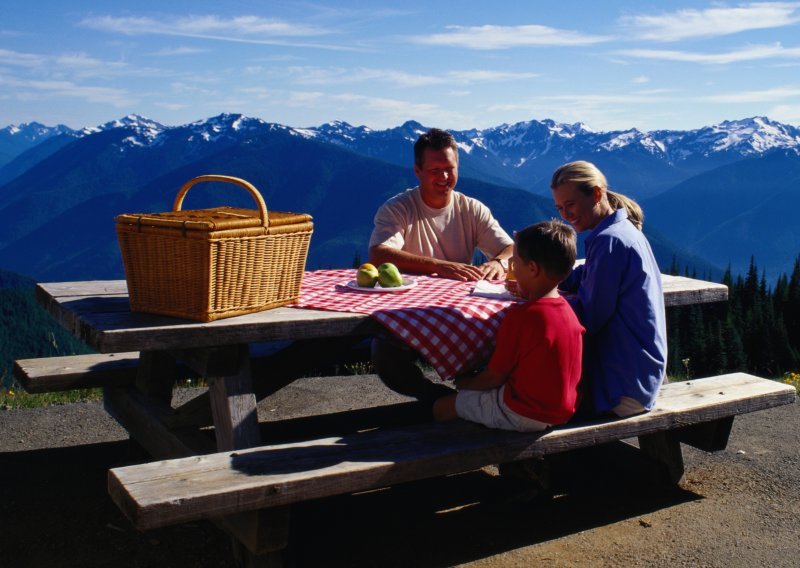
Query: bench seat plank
[
  {"x": 179, "y": 490},
  {"x": 53, "y": 374}
]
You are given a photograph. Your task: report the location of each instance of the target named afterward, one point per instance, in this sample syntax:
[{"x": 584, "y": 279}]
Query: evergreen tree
[
  {"x": 735, "y": 356},
  {"x": 756, "y": 330},
  {"x": 715, "y": 360},
  {"x": 674, "y": 269},
  {"x": 791, "y": 307}
]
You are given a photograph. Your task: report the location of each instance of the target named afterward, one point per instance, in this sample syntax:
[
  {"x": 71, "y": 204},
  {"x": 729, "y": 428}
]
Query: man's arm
[{"x": 408, "y": 262}]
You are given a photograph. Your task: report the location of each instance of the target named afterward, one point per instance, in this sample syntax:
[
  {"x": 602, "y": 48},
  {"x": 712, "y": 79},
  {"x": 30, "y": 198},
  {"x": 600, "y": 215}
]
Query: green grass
[{"x": 16, "y": 397}]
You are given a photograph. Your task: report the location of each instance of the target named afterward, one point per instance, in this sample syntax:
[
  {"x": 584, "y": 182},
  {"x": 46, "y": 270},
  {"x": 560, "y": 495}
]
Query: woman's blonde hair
[{"x": 587, "y": 176}]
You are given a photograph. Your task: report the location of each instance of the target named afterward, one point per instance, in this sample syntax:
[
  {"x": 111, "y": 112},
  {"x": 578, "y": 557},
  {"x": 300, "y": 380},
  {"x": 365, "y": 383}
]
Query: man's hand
[
  {"x": 459, "y": 271},
  {"x": 492, "y": 270}
]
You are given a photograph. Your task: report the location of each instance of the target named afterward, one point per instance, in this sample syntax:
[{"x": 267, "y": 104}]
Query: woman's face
[{"x": 578, "y": 209}]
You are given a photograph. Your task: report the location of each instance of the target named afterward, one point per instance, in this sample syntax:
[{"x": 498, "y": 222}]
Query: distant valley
[{"x": 713, "y": 197}]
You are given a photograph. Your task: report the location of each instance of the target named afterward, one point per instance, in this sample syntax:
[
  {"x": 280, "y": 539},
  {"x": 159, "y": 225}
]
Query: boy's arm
[{"x": 485, "y": 380}]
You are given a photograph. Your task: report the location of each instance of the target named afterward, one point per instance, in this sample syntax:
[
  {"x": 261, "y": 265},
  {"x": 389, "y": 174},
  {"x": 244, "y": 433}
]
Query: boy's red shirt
[{"x": 539, "y": 346}]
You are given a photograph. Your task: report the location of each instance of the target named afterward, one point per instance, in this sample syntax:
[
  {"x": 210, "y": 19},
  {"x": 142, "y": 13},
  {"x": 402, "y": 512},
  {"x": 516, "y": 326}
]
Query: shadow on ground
[{"x": 55, "y": 512}]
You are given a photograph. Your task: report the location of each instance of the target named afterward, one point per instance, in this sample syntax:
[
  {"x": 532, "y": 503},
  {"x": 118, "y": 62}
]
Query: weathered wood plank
[
  {"x": 710, "y": 436},
  {"x": 99, "y": 314},
  {"x": 174, "y": 491},
  {"x": 682, "y": 291},
  {"x": 88, "y": 288},
  {"x": 53, "y": 374},
  {"x": 665, "y": 448},
  {"x": 156, "y": 374},
  {"x": 233, "y": 403},
  {"x": 143, "y": 418},
  {"x": 119, "y": 331}
]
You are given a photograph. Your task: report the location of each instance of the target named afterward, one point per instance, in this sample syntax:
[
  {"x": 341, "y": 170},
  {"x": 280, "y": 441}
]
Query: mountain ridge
[{"x": 136, "y": 164}]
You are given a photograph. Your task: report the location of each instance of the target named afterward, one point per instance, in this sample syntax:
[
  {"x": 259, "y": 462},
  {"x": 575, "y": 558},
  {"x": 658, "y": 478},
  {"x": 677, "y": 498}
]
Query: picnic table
[{"x": 98, "y": 313}]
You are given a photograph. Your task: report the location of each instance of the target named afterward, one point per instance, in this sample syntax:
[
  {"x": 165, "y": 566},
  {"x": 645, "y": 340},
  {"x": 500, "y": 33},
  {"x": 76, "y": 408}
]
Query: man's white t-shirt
[{"x": 452, "y": 233}]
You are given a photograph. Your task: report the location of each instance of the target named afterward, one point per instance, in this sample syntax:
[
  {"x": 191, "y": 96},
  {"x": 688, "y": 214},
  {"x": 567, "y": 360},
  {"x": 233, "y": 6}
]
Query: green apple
[{"x": 389, "y": 276}]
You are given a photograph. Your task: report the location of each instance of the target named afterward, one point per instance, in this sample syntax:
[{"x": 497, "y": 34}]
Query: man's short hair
[
  {"x": 435, "y": 139},
  {"x": 551, "y": 244}
]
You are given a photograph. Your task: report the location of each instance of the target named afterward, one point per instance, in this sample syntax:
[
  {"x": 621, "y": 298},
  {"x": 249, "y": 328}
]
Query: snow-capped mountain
[
  {"x": 729, "y": 172},
  {"x": 16, "y": 139},
  {"x": 516, "y": 144},
  {"x": 504, "y": 152},
  {"x": 32, "y": 131},
  {"x": 524, "y": 154}
]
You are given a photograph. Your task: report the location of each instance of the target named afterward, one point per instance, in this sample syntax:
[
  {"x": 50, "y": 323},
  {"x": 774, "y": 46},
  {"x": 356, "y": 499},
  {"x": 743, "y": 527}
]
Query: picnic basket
[{"x": 208, "y": 264}]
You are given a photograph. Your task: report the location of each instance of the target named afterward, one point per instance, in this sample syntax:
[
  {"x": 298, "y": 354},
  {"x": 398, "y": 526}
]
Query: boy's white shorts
[{"x": 488, "y": 408}]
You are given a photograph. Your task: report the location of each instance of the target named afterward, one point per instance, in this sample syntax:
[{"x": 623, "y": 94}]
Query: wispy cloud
[
  {"x": 401, "y": 107},
  {"x": 786, "y": 113},
  {"x": 57, "y": 89},
  {"x": 505, "y": 37},
  {"x": 341, "y": 75},
  {"x": 749, "y": 53},
  {"x": 200, "y": 25},
  {"x": 650, "y": 96},
  {"x": 74, "y": 65},
  {"x": 757, "y": 96},
  {"x": 16, "y": 58},
  {"x": 171, "y": 51},
  {"x": 172, "y": 106},
  {"x": 240, "y": 29},
  {"x": 717, "y": 21},
  {"x": 379, "y": 110}
]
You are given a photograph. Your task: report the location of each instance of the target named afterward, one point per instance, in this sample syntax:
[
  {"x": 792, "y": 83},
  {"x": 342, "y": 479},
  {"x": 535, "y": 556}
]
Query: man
[{"x": 432, "y": 229}]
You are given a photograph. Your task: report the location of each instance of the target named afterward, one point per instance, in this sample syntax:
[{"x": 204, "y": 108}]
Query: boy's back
[{"x": 539, "y": 347}]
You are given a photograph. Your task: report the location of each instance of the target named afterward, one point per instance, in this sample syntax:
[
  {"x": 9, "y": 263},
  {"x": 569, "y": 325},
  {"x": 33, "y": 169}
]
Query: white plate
[{"x": 408, "y": 283}]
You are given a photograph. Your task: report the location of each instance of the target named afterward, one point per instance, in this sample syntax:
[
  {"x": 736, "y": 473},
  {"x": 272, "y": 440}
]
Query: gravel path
[{"x": 737, "y": 507}]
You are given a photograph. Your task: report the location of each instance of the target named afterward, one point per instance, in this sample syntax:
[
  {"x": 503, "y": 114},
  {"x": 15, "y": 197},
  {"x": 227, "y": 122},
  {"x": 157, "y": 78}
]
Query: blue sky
[{"x": 458, "y": 65}]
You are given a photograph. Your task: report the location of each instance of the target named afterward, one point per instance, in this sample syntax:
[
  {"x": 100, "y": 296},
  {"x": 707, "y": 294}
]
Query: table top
[{"x": 98, "y": 312}]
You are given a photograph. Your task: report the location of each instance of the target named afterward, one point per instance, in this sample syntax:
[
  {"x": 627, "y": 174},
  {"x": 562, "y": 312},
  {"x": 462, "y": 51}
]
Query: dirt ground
[{"x": 738, "y": 507}]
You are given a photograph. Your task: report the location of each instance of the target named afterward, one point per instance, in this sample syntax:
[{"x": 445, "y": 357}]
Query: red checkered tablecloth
[{"x": 439, "y": 318}]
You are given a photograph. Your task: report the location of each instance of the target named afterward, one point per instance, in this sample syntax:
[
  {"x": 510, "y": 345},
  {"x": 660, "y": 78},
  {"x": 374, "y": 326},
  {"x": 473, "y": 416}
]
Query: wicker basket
[{"x": 215, "y": 263}]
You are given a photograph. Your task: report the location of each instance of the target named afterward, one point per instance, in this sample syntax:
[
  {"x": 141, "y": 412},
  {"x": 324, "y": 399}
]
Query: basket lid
[{"x": 214, "y": 219}]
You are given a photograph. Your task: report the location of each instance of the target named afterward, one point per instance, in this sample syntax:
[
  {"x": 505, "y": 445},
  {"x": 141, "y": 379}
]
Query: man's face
[{"x": 437, "y": 176}]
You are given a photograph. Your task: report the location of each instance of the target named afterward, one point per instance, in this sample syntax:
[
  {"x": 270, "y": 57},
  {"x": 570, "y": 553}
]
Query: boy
[{"x": 531, "y": 382}]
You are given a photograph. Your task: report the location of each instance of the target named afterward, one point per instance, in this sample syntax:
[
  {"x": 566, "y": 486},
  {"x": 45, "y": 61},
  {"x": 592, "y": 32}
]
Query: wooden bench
[
  {"x": 100, "y": 370},
  {"x": 71, "y": 372},
  {"x": 698, "y": 412},
  {"x": 94, "y": 370}
]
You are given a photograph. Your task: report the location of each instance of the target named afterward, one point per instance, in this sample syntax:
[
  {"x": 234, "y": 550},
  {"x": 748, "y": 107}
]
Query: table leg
[
  {"x": 156, "y": 375},
  {"x": 258, "y": 538},
  {"x": 665, "y": 448},
  {"x": 233, "y": 406}
]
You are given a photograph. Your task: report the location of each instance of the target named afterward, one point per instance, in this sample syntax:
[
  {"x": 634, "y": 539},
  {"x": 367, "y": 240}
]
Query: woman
[{"x": 617, "y": 293}]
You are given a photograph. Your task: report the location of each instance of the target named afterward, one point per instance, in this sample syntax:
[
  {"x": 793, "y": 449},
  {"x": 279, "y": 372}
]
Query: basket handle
[{"x": 254, "y": 193}]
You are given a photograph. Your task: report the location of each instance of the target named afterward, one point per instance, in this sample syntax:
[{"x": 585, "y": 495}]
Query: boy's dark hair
[
  {"x": 435, "y": 139},
  {"x": 551, "y": 244}
]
